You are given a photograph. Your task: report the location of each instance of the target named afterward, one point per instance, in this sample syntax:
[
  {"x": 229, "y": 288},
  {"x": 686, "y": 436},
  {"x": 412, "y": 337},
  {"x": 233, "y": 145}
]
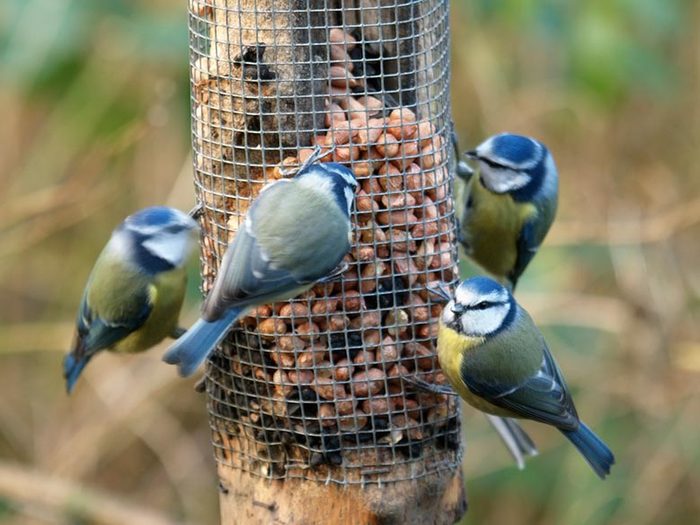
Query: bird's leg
[
  {"x": 463, "y": 170},
  {"x": 337, "y": 272},
  {"x": 440, "y": 290},
  {"x": 196, "y": 211},
  {"x": 317, "y": 155},
  {"x": 428, "y": 387},
  {"x": 201, "y": 385},
  {"x": 178, "y": 332}
]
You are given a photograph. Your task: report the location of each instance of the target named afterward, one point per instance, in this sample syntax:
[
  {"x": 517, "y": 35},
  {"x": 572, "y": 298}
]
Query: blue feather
[
  {"x": 193, "y": 348},
  {"x": 595, "y": 452},
  {"x": 517, "y": 149},
  {"x": 154, "y": 216},
  {"x": 72, "y": 367}
]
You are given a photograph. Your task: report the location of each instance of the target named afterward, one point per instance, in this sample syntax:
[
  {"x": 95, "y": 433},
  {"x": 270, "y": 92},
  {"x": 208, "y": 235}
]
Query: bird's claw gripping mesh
[{"x": 312, "y": 387}]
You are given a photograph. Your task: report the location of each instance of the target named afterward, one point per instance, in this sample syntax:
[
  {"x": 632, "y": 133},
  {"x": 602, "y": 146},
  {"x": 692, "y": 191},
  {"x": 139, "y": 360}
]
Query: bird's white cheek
[
  {"x": 484, "y": 322},
  {"x": 448, "y": 316},
  {"x": 501, "y": 180},
  {"x": 172, "y": 248}
]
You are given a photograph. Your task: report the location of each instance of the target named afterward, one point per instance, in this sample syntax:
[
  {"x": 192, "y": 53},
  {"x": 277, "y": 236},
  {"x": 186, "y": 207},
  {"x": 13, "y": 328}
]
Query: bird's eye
[{"x": 483, "y": 305}]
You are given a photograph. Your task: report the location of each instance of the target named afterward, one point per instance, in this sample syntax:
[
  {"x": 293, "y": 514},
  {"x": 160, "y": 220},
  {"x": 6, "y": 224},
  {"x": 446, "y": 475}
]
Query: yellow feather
[
  {"x": 166, "y": 295},
  {"x": 492, "y": 228},
  {"x": 452, "y": 346}
]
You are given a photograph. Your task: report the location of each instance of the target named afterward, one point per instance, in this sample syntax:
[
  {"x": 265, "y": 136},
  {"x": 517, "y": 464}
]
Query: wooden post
[{"x": 434, "y": 500}]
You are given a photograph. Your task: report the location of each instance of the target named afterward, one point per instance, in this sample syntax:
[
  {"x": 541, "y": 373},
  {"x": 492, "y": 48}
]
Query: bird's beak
[
  {"x": 464, "y": 171},
  {"x": 471, "y": 154},
  {"x": 457, "y": 309}
]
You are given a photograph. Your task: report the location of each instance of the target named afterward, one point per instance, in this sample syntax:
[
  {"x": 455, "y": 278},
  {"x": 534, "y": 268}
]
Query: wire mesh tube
[{"x": 310, "y": 388}]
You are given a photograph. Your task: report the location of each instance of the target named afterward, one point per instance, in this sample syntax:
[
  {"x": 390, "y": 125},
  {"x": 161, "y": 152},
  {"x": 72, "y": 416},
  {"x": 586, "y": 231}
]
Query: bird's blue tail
[
  {"x": 593, "y": 449},
  {"x": 72, "y": 367},
  {"x": 192, "y": 349}
]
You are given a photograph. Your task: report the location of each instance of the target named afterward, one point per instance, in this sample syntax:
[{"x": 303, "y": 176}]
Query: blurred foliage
[{"x": 94, "y": 98}]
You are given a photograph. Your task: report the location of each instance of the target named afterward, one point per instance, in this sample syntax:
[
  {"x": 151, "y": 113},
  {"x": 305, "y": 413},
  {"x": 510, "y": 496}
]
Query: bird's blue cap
[
  {"x": 331, "y": 169},
  {"x": 516, "y": 148},
  {"x": 154, "y": 216},
  {"x": 482, "y": 285}
]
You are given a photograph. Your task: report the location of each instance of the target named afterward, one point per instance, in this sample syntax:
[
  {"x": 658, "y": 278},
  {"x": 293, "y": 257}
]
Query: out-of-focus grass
[{"x": 93, "y": 98}]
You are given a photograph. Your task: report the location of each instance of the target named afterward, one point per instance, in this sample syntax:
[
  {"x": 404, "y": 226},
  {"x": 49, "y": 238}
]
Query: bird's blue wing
[
  {"x": 97, "y": 333},
  {"x": 248, "y": 276},
  {"x": 272, "y": 254},
  {"x": 542, "y": 397},
  {"x": 526, "y": 248}
]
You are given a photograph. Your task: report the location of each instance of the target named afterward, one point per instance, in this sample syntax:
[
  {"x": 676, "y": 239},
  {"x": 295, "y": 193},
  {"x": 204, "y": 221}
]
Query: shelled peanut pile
[{"x": 315, "y": 378}]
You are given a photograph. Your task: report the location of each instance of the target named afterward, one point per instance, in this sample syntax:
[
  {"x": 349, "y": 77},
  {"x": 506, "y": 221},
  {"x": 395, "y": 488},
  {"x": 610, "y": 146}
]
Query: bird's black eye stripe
[
  {"x": 492, "y": 163},
  {"x": 483, "y": 305},
  {"x": 174, "y": 228}
]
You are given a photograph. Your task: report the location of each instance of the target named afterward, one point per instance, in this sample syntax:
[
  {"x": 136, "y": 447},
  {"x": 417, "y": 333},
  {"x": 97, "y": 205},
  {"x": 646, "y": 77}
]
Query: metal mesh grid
[{"x": 311, "y": 387}]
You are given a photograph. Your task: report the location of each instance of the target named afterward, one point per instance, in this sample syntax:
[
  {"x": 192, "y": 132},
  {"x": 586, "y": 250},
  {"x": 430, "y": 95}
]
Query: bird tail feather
[
  {"x": 516, "y": 440},
  {"x": 192, "y": 349},
  {"x": 592, "y": 448}
]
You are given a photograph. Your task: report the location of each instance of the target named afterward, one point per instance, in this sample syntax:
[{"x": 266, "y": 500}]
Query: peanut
[
  {"x": 308, "y": 331},
  {"x": 326, "y": 415},
  {"x": 387, "y": 145},
  {"x": 352, "y": 422},
  {"x": 271, "y": 327},
  {"x": 402, "y": 123},
  {"x": 338, "y": 36}
]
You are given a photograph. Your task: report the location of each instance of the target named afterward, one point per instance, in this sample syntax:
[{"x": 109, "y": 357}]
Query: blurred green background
[{"x": 95, "y": 124}]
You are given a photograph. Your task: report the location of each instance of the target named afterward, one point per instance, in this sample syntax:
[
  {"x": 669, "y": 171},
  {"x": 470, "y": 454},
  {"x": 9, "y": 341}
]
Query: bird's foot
[
  {"x": 419, "y": 384},
  {"x": 440, "y": 290},
  {"x": 317, "y": 155},
  {"x": 197, "y": 211},
  {"x": 337, "y": 272}
]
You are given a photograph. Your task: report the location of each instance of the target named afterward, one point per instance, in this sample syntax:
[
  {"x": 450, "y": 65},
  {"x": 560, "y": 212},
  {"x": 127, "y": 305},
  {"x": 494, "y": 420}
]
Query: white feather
[
  {"x": 349, "y": 194},
  {"x": 317, "y": 182},
  {"x": 349, "y": 179},
  {"x": 119, "y": 244},
  {"x": 467, "y": 296},
  {"x": 485, "y": 150},
  {"x": 503, "y": 180},
  {"x": 484, "y": 322},
  {"x": 172, "y": 247}
]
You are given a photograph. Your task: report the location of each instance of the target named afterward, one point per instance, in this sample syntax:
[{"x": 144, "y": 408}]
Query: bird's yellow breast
[
  {"x": 491, "y": 227},
  {"x": 452, "y": 347}
]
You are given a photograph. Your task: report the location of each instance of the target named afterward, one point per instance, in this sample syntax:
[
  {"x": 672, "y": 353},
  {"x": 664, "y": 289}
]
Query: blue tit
[
  {"x": 498, "y": 361},
  {"x": 510, "y": 205},
  {"x": 515, "y": 439},
  {"x": 135, "y": 291},
  {"x": 295, "y": 233}
]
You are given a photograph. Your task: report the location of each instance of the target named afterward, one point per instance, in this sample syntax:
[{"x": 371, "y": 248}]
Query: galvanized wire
[{"x": 311, "y": 387}]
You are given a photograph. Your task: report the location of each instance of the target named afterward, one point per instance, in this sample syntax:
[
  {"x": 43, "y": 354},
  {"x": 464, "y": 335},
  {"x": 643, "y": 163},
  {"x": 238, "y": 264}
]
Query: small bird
[
  {"x": 135, "y": 291},
  {"x": 510, "y": 205},
  {"x": 295, "y": 233},
  {"x": 496, "y": 358}
]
